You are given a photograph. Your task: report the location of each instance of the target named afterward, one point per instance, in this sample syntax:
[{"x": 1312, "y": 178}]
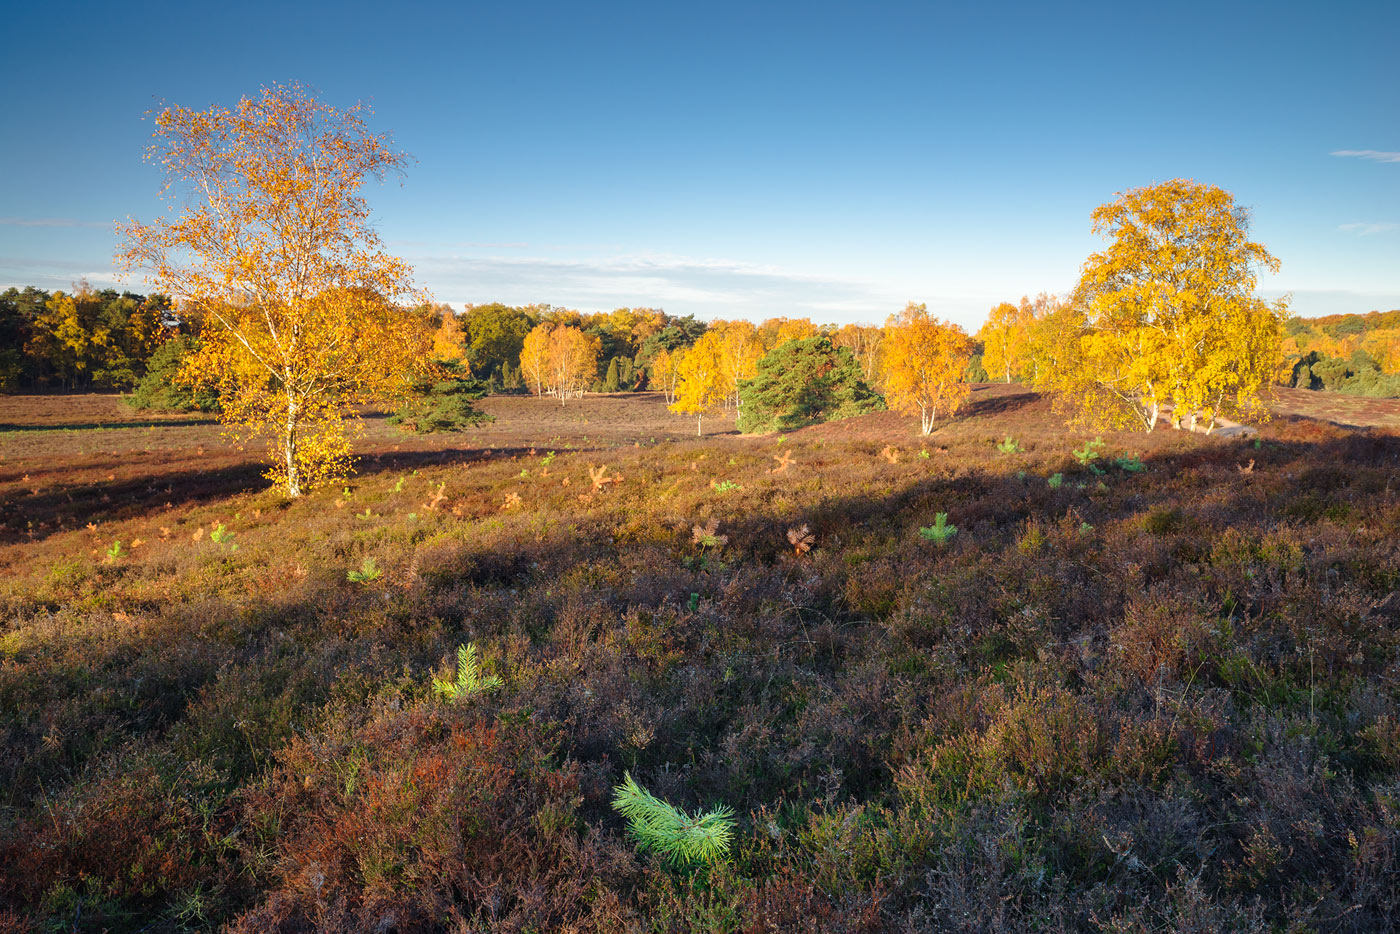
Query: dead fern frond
[
  {"x": 431, "y": 504},
  {"x": 801, "y": 539},
  {"x": 707, "y": 536},
  {"x": 600, "y": 478}
]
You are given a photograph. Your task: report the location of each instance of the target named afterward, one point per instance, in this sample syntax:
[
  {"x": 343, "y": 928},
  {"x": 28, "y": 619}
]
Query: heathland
[{"x": 1151, "y": 682}]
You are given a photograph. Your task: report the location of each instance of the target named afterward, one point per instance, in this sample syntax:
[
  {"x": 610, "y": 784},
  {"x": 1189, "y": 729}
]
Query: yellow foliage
[
  {"x": 1006, "y": 337},
  {"x": 559, "y": 359},
  {"x": 864, "y": 342},
  {"x": 449, "y": 339},
  {"x": 1166, "y": 315},
  {"x": 272, "y": 243},
  {"x": 664, "y": 373},
  {"x": 703, "y": 382},
  {"x": 740, "y": 348},
  {"x": 777, "y": 331},
  {"x": 924, "y": 362}
]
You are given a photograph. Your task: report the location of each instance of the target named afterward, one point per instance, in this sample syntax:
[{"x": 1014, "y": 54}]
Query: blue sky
[{"x": 755, "y": 160}]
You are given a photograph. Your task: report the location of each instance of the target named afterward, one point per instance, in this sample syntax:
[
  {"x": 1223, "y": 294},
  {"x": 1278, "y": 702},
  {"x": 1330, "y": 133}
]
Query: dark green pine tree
[
  {"x": 442, "y": 401},
  {"x": 610, "y": 381},
  {"x": 158, "y": 391},
  {"x": 802, "y": 382}
]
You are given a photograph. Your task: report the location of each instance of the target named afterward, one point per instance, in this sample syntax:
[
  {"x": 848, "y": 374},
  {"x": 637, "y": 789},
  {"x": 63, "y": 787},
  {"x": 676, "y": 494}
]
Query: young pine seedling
[
  {"x": 1055, "y": 480},
  {"x": 222, "y": 536},
  {"x": 469, "y": 681},
  {"x": 1009, "y": 445},
  {"x": 1129, "y": 463},
  {"x": 368, "y": 573},
  {"x": 1089, "y": 453},
  {"x": 664, "y": 829},
  {"x": 116, "y": 552},
  {"x": 724, "y": 486},
  {"x": 940, "y": 532}
]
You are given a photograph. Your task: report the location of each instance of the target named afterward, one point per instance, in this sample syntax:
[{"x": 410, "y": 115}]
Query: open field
[
  {"x": 1352, "y": 411},
  {"x": 1157, "y": 691}
]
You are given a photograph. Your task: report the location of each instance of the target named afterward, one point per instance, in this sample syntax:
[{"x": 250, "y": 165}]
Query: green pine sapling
[
  {"x": 940, "y": 532},
  {"x": 664, "y": 829},
  {"x": 469, "y": 678}
]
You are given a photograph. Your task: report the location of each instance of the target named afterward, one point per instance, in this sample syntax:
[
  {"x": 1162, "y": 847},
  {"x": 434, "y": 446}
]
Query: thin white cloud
[
  {"x": 682, "y": 285},
  {"x": 1374, "y": 155},
  {"x": 1366, "y": 229},
  {"x": 455, "y": 246},
  {"x": 51, "y": 222}
]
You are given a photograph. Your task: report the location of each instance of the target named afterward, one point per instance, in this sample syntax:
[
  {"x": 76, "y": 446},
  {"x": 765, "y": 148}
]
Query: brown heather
[{"x": 1160, "y": 701}]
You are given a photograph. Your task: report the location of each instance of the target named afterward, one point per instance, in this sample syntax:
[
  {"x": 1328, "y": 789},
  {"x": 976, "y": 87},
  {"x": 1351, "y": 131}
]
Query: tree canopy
[
  {"x": 1168, "y": 315},
  {"x": 804, "y": 381},
  {"x": 925, "y": 362},
  {"x": 271, "y": 240}
]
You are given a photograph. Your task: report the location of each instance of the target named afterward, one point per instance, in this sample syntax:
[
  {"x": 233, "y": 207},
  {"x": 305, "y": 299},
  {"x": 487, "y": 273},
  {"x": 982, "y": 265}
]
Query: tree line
[{"x": 83, "y": 339}]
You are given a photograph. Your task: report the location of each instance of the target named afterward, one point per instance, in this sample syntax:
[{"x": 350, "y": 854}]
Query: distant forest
[
  {"x": 1354, "y": 354},
  {"x": 94, "y": 340}
]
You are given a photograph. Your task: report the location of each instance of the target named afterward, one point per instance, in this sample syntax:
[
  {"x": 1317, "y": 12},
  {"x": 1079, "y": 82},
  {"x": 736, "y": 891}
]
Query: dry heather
[{"x": 1160, "y": 693}]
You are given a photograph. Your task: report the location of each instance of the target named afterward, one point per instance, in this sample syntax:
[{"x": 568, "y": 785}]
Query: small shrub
[
  {"x": 1164, "y": 520},
  {"x": 160, "y": 390},
  {"x": 442, "y": 401},
  {"x": 1009, "y": 445},
  {"x": 1129, "y": 463},
  {"x": 664, "y": 829},
  {"x": 1055, "y": 480},
  {"x": 724, "y": 486},
  {"x": 116, "y": 552}
]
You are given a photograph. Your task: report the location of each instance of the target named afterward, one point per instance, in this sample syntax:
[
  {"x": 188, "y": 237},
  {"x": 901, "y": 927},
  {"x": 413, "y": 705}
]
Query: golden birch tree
[
  {"x": 559, "y": 359},
  {"x": 740, "y": 348},
  {"x": 703, "y": 383},
  {"x": 924, "y": 361},
  {"x": 863, "y": 341},
  {"x": 449, "y": 338},
  {"x": 534, "y": 357},
  {"x": 270, "y": 240},
  {"x": 573, "y": 360},
  {"x": 1170, "y": 319},
  {"x": 775, "y": 332},
  {"x": 665, "y": 373}
]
